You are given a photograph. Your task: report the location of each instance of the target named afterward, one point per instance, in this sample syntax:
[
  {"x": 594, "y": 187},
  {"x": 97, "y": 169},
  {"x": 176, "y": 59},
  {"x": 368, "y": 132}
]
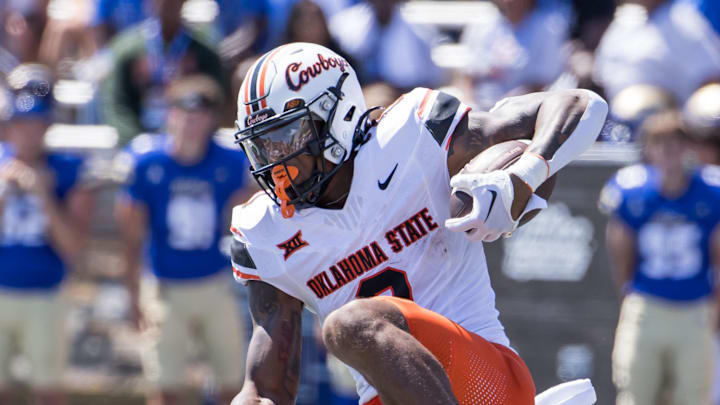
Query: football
[{"x": 497, "y": 157}]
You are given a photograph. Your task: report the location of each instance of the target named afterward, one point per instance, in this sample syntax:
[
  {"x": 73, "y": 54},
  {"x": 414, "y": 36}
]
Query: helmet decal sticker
[
  {"x": 259, "y": 116},
  {"x": 302, "y": 78}
]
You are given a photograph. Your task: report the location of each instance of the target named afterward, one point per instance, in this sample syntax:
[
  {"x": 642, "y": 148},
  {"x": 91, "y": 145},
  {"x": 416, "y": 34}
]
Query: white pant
[
  {"x": 658, "y": 341},
  {"x": 34, "y": 323},
  {"x": 205, "y": 309}
]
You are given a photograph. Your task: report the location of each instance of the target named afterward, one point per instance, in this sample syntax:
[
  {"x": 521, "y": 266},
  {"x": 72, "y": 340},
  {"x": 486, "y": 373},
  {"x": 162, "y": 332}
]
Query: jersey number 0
[{"x": 388, "y": 279}]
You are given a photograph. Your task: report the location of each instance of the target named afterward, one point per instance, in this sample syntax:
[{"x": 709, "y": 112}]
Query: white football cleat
[{"x": 576, "y": 392}]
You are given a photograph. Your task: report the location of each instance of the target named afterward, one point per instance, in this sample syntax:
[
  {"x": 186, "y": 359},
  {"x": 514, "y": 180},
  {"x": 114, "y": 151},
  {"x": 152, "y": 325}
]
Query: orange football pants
[{"x": 480, "y": 372}]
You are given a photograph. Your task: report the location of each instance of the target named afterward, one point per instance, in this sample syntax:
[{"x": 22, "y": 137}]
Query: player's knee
[{"x": 352, "y": 327}]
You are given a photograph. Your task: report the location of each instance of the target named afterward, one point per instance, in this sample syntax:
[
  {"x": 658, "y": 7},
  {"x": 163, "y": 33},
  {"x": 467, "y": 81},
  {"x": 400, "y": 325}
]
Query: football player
[
  {"x": 45, "y": 213},
  {"x": 179, "y": 185},
  {"x": 663, "y": 237},
  {"x": 354, "y": 225}
]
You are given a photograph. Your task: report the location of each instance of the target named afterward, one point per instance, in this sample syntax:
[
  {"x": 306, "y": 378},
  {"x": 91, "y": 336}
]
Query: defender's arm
[{"x": 273, "y": 359}]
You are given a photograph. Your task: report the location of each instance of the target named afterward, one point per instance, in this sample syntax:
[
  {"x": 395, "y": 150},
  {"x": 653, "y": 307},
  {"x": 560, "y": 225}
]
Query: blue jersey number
[
  {"x": 23, "y": 221},
  {"x": 191, "y": 222},
  {"x": 670, "y": 250}
]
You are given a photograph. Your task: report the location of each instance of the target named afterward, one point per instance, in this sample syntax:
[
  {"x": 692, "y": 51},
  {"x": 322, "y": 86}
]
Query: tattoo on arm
[{"x": 275, "y": 348}]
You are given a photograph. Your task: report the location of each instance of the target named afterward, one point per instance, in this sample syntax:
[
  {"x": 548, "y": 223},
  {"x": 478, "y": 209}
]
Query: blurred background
[{"x": 98, "y": 72}]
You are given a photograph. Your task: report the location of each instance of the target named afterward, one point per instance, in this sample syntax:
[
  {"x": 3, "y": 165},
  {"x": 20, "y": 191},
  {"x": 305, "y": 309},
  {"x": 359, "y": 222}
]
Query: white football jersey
[{"x": 389, "y": 238}]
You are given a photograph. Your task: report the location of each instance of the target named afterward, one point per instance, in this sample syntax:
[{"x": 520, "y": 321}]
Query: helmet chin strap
[{"x": 282, "y": 177}]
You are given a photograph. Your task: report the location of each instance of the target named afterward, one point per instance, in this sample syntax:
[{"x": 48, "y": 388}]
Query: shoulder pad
[
  {"x": 240, "y": 255},
  {"x": 431, "y": 110},
  {"x": 250, "y": 219}
]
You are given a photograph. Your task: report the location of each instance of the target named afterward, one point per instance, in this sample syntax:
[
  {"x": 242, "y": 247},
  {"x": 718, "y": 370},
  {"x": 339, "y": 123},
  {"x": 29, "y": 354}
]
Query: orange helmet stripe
[
  {"x": 264, "y": 68},
  {"x": 246, "y": 85}
]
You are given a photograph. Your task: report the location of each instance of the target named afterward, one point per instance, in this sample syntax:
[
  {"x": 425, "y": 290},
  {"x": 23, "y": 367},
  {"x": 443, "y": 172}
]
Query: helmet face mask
[
  {"x": 275, "y": 141},
  {"x": 320, "y": 105}
]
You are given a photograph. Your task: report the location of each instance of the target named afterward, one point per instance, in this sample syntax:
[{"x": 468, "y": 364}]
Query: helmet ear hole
[{"x": 350, "y": 113}]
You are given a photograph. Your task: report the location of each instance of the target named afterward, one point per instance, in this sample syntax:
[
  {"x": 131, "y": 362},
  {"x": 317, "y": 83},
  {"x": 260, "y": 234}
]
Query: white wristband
[{"x": 532, "y": 168}]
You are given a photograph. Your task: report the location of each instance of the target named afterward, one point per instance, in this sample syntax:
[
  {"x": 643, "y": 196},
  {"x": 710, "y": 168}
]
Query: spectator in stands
[
  {"x": 113, "y": 16},
  {"x": 592, "y": 18},
  {"x": 177, "y": 201},
  {"x": 517, "y": 51},
  {"x": 307, "y": 23},
  {"x": 243, "y": 26},
  {"x": 702, "y": 115},
  {"x": 147, "y": 57},
  {"x": 44, "y": 217},
  {"x": 67, "y": 36},
  {"x": 388, "y": 48},
  {"x": 711, "y": 11},
  {"x": 23, "y": 23},
  {"x": 663, "y": 238},
  {"x": 664, "y": 43}
]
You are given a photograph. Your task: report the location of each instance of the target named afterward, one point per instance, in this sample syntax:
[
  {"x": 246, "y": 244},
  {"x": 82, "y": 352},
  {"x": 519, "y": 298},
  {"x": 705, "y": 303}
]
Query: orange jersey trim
[
  {"x": 374, "y": 401},
  {"x": 236, "y": 231},
  {"x": 421, "y": 110},
  {"x": 387, "y": 110},
  {"x": 449, "y": 139},
  {"x": 245, "y": 276}
]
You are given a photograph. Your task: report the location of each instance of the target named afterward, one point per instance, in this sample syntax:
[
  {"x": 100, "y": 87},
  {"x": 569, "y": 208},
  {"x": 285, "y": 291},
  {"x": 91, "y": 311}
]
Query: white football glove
[{"x": 493, "y": 196}]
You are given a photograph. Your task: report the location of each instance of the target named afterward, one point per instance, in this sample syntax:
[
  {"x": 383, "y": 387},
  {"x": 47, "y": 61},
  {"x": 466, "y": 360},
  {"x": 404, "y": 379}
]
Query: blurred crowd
[
  {"x": 112, "y": 59},
  {"x": 174, "y": 67}
]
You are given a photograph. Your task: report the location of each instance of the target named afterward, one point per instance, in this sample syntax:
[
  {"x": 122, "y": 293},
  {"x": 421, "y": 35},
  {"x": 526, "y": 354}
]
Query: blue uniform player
[
  {"x": 177, "y": 203},
  {"x": 664, "y": 240},
  {"x": 44, "y": 215}
]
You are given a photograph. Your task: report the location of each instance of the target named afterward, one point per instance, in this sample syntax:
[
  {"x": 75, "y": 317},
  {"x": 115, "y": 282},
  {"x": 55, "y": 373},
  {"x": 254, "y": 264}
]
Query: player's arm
[
  {"x": 273, "y": 359},
  {"x": 620, "y": 242},
  {"x": 560, "y": 125},
  {"x": 132, "y": 218}
]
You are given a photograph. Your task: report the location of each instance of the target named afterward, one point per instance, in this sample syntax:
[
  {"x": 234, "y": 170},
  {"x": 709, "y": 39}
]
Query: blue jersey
[
  {"x": 27, "y": 260},
  {"x": 185, "y": 205},
  {"x": 673, "y": 259}
]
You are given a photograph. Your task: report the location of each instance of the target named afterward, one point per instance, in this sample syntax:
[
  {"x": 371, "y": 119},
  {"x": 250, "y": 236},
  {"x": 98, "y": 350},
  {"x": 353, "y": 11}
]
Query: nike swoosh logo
[
  {"x": 384, "y": 184},
  {"x": 492, "y": 202}
]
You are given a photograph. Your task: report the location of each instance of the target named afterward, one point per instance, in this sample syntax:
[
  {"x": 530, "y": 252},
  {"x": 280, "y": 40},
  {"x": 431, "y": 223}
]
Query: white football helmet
[{"x": 299, "y": 98}]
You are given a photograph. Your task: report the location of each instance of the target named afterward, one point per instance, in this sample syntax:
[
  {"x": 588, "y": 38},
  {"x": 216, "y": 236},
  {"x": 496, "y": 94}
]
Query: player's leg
[
  {"x": 637, "y": 353},
  {"x": 692, "y": 358},
  {"x": 373, "y": 337},
  {"x": 223, "y": 334},
  {"x": 44, "y": 342},
  {"x": 480, "y": 371}
]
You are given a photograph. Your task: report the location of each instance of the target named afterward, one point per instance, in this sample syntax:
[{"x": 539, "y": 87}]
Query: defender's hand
[{"x": 493, "y": 197}]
